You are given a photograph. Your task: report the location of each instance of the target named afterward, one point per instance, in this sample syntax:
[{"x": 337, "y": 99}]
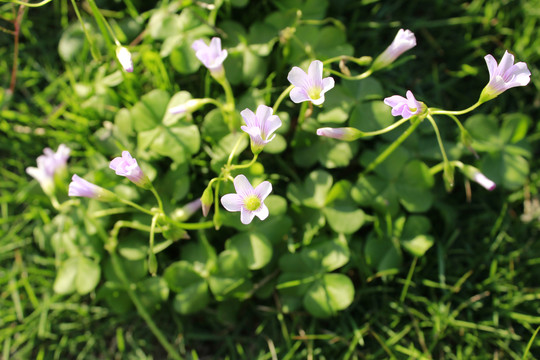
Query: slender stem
[
  {"x": 158, "y": 198},
  {"x": 44, "y": 2},
  {"x": 173, "y": 353},
  {"x": 16, "y": 33},
  {"x": 386, "y": 129},
  {"x": 92, "y": 46},
  {"x": 439, "y": 139},
  {"x": 281, "y": 97},
  {"x": 440, "y": 166},
  {"x": 192, "y": 226},
  {"x": 361, "y": 76},
  {"x": 231, "y": 155},
  {"x": 434, "y": 111},
  {"x": 302, "y": 113},
  {"x": 152, "y": 261},
  {"x": 389, "y": 150},
  {"x": 136, "y": 206},
  {"x": 244, "y": 166},
  {"x": 102, "y": 22},
  {"x": 360, "y": 61}
]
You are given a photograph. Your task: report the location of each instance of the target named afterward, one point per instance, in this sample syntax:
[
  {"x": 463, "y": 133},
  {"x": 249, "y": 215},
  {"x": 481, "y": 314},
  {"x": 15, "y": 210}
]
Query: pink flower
[
  {"x": 405, "y": 107},
  {"x": 344, "y": 133},
  {"x": 504, "y": 76},
  {"x": 211, "y": 56},
  {"x": 247, "y": 200},
  {"x": 82, "y": 188},
  {"x": 124, "y": 57},
  {"x": 484, "y": 181},
  {"x": 310, "y": 86},
  {"x": 260, "y": 126},
  {"x": 475, "y": 175},
  {"x": 403, "y": 41},
  {"x": 48, "y": 165},
  {"x": 128, "y": 167}
]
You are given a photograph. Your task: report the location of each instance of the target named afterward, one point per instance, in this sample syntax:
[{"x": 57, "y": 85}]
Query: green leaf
[
  {"x": 413, "y": 187},
  {"x": 335, "y": 153},
  {"x": 334, "y": 292},
  {"x": 192, "y": 299},
  {"x": 313, "y": 191},
  {"x": 149, "y": 111},
  {"x": 88, "y": 275},
  {"x": 65, "y": 278},
  {"x": 344, "y": 217},
  {"x": 153, "y": 292},
  {"x": 230, "y": 276},
  {"x": 382, "y": 254},
  {"x": 329, "y": 255},
  {"x": 181, "y": 274},
  {"x": 414, "y": 238},
  {"x": 163, "y": 24},
  {"x": 371, "y": 116},
  {"x": 254, "y": 248}
]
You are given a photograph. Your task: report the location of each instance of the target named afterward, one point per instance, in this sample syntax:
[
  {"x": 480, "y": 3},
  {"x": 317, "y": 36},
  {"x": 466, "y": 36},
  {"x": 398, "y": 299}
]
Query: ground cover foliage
[{"x": 348, "y": 265}]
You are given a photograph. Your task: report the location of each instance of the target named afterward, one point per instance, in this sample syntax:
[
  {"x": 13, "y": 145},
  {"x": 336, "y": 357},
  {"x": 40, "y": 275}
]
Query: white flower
[
  {"x": 260, "y": 126},
  {"x": 124, "y": 56},
  {"x": 247, "y": 200},
  {"x": 48, "y": 165},
  {"x": 310, "y": 86},
  {"x": 403, "y": 41},
  {"x": 504, "y": 76},
  {"x": 210, "y": 55}
]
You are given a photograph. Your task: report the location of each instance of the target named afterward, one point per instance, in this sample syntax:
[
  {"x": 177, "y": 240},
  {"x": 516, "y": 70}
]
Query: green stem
[
  {"x": 102, "y": 22},
  {"x": 229, "y": 98},
  {"x": 281, "y": 97},
  {"x": 386, "y": 129},
  {"x": 361, "y": 76},
  {"x": 439, "y": 139},
  {"x": 435, "y": 111},
  {"x": 244, "y": 166},
  {"x": 44, "y": 2},
  {"x": 389, "y": 150},
  {"x": 191, "y": 226},
  {"x": 173, "y": 353},
  {"x": 440, "y": 166},
  {"x": 92, "y": 45},
  {"x": 136, "y": 206},
  {"x": 302, "y": 114},
  {"x": 158, "y": 198},
  {"x": 231, "y": 155}
]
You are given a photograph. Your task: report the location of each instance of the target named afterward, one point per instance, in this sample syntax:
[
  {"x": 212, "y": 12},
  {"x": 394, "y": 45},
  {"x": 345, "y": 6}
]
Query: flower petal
[
  {"x": 242, "y": 186},
  {"x": 262, "y": 212},
  {"x": 263, "y": 113},
  {"x": 491, "y": 64},
  {"x": 271, "y": 124},
  {"x": 263, "y": 190},
  {"x": 249, "y": 117},
  {"x": 232, "y": 202},
  {"x": 328, "y": 83},
  {"x": 246, "y": 216},
  {"x": 297, "y": 77},
  {"x": 299, "y": 95},
  {"x": 315, "y": 71},
  {"x": 506, "y": 62},
  {"x": 394, "y": 100}
]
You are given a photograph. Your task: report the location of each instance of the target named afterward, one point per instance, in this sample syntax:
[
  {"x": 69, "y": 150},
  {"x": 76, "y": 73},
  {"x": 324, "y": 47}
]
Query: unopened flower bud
[{"x": 344, "y": 133}]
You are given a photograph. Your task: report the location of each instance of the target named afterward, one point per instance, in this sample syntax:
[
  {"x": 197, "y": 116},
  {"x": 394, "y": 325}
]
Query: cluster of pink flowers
[{"x": 262, "y": 124}]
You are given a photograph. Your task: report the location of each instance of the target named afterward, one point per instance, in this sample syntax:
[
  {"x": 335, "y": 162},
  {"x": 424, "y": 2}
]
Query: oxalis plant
[{"x": 305, "y": 246}]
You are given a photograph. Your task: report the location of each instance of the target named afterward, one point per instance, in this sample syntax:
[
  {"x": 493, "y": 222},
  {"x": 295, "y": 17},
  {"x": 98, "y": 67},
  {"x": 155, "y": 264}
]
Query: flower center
[
  {"x": 252, "y": 202},
  {"x": 314, "y": 92}
]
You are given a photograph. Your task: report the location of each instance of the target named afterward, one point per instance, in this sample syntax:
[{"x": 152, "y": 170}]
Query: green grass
[{"x": 474, "y": 295}]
